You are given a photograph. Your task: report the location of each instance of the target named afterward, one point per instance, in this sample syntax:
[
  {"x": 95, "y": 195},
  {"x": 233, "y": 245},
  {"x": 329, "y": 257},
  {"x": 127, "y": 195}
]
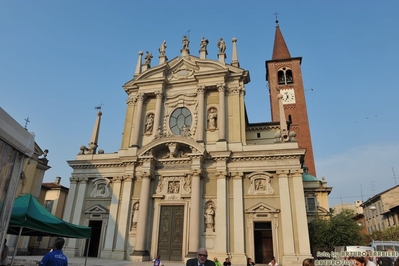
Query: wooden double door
[{"x": 170, "y": 240}]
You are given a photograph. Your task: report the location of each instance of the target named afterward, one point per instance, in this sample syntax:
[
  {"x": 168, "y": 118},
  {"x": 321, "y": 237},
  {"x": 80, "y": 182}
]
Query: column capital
[
  {"x": 145, "y": 175},
  {"x": 197, "y": 173},
  {"x": 235, "y": 90},
  {"x": 159, "y": 94},
  {"x": 141, "y": 96},
  {"x": 221, "y": 87},
  {"x": 74, "y": 179},
  {"x": 128, "y": 178},
  {"x": 82, "y": 179},
  {"x": 201, "y": 89},
  {"x": 117, "y": 179},
  {"x": 297, "y": 172},
  {"x": 221, "y": 174},
  {"x": 237, "y": 175},
  {"x": 283, "y": 173}
]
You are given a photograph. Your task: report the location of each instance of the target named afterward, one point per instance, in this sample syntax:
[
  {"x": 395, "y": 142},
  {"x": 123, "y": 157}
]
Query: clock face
[
  {"x": 179, "y": 119},
  {"x": 288, "y": 96}
]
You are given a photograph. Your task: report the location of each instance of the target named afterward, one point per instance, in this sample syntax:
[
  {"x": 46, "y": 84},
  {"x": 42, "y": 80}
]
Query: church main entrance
[
  {"x": 263, "y": 242},
  {"x": 170, "y": 241}
]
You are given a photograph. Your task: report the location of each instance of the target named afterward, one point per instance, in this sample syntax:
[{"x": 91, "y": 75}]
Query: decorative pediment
[
  {"x": 183, "y": 68},
  {"x": 97, "y": 209},
  {"x": 261, "y": 208}
]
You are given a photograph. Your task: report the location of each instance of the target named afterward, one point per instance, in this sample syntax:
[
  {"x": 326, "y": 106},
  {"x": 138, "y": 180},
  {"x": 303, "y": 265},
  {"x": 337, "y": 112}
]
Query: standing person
[
  {"x": 308, "y": 262},
  {"x": 55, "y": 257},
  {"x": 217, "y": 262},
  {"x": 4, "y": 254},
  {"x": 360, "y": 261},
  {"x": 273, "y": 262},
  {"x": 201, "y": 259},
  {"x": 227, "y": 262},
  {"x": 157, "y": 261},
  {"x": 250, "y": 262}
]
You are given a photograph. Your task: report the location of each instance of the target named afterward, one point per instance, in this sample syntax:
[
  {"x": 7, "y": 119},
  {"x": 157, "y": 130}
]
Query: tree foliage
[
  {"x": 389, "y": 234},
  {"x": 335, "y": 230}
]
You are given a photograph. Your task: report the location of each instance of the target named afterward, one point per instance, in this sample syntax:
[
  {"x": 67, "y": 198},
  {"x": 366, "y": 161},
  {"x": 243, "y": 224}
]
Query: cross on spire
[
  {"x": 276, "y": 14},
  {"x": 26, "y": 122},
  {"x": 98, "y": 107}
]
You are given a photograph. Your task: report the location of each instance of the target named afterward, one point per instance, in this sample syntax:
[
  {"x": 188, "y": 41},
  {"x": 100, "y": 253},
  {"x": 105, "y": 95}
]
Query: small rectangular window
[
  {"x": 311, "y": 204},
  {"x": 258, "y": 135}
]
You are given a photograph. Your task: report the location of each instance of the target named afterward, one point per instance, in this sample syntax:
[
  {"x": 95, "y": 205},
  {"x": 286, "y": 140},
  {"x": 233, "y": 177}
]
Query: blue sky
[{"x": 60, "y": 59}]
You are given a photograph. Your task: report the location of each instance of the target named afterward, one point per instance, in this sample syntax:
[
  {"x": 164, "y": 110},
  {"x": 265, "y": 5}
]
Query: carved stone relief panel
[
  {"x": 260, "y": 184},
  {"x": 100, "y": 188},
  {"x": 173, "y": 187}
]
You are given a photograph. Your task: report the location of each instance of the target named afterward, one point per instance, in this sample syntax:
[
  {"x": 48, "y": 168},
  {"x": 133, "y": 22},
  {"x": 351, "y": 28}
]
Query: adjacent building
[
  {"x": 193, "y": 172},
  {"x": 382, "y": 210}
]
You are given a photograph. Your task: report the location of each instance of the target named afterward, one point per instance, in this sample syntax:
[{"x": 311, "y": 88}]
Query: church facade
[{"x": 192, "y": 171}]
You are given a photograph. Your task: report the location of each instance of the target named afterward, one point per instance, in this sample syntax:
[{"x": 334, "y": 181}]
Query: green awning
[{"x": 35, "y": 220}]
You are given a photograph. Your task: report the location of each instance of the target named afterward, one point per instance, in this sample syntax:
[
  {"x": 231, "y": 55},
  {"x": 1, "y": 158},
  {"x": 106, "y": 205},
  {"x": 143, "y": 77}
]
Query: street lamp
[{"x": 373, "y": 209}]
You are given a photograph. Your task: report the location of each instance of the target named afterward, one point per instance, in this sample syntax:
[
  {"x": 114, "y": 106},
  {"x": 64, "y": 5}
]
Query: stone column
[
  {"x": 77, "y": 211},
  {"x": 158, "y": 108},
  {"x": 201, "y": 112},
  {"x": 70, "y": 199},
  {"x": 69, "y": 250},
  {"x": 123, "y": 224},
  {"x": 195, "y": 217},
  {"x": 239, "y": 228},
  {"x": 222, "y": 113},
  {"x": 221, "y": 217},
  {"x": 112, "y": 220},
  {"x": 140, "y": 251},
  {"x": 286, "y": 216},
  {"x": 301, "y": 219},
  {"x": 137, "y": 118}
]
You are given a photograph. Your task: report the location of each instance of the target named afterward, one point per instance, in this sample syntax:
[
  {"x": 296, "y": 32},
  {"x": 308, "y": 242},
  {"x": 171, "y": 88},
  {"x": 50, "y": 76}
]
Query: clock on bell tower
[{"x": 284, "y": 76}]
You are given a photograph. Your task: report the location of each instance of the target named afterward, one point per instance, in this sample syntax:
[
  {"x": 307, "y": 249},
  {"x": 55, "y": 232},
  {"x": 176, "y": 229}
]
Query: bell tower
[{"x": 284, "y": 75}]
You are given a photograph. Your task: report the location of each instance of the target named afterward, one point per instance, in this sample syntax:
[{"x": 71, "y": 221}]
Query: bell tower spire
[{"x": 284, "y": 75}]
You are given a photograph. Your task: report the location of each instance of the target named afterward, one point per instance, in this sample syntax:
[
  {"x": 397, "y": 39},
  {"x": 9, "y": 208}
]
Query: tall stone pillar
[
  {"x": 70, "y": 203},
  {"x": 123, "y": 224},
  {"x": 238, "y": 250},
  {"x": 112, "y": 220},
  {"x": 301, "y": 219},
  {"x": 221, "y": 214},
  {"x": 77, "y": 213},
  {"x": 222, "y": 112},
  {"x": 201, "y": 112},
  {"x": 158, "y": 108},
  {"x": 195, "y": 217},
  {"x": 286, "y": 216},
  {"x": 137, "y": 118},
  {"x": 140, "y": 253}
]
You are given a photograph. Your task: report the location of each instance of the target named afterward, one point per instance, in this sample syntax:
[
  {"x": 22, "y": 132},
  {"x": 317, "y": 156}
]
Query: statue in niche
[
  {"x": 162, "y": 49},
  {"x": 212, "y": 117},
  {"x": 187, "y": 185},
  {"x": 222, "y": 46},
  {"x": 135, "y": 216},
  {"x": 186, "y": 43},
  {"x": 147, "y": 58},
  {"x": 209, "y": 217},
  {"x": 159, "y": 186},
  {"x": 149, "y": 123},
  {"x": 203, "y": 44},
  {"x": 100, "y": 190}
]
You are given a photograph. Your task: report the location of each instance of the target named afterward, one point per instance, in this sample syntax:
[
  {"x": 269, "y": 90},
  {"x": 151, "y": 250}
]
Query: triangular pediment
[
  {"x": 262, "y": 208},
  {"x": 184, "y": 68},
  {"x": 97, "y": 209}
]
